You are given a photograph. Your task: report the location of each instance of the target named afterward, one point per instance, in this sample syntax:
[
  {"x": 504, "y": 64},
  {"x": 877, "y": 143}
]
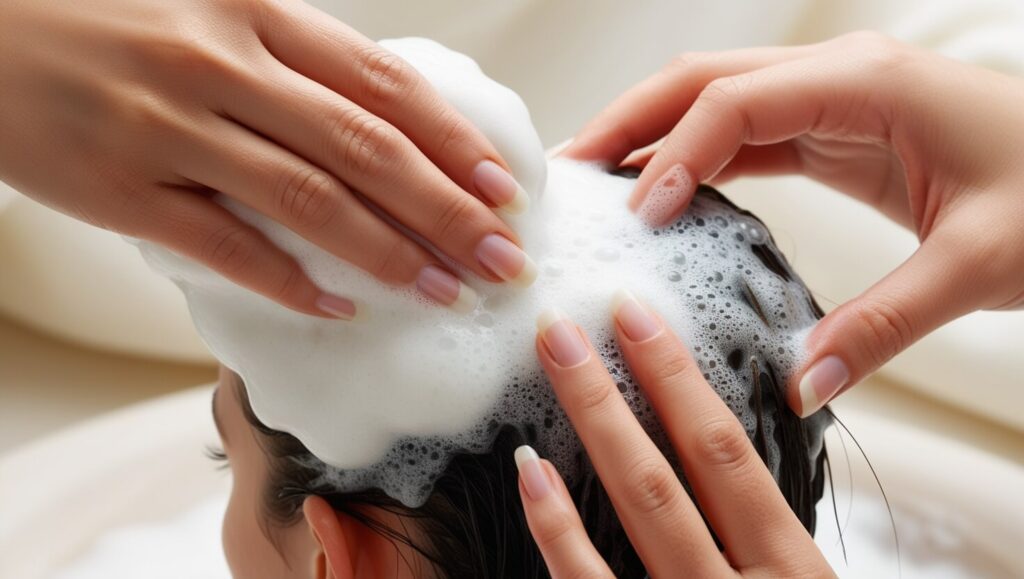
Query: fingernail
[
  {"x": 337, "y": 306},
  {"x": 536, "y": 481},
  {"x": 446, "y": 289},
  {"x": 500, "y": 188},
  {"x": 562, "y": 338},
  {"x": 665, "y": 196},
  {"x": 505, "y": 260},
  {"x": 820, "y": 383},
  {"x": 633, "y": 317}
]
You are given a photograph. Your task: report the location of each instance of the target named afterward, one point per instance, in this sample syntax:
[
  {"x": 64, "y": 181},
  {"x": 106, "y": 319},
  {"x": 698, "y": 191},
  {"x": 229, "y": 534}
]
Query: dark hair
[{"x": 472, "y": 525}]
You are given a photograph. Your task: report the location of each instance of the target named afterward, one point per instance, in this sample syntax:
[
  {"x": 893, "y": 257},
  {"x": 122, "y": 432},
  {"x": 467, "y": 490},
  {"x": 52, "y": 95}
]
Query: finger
[
  {"x": 761, "y": 160},
  {"x": 318, "y": 207},
  {"x": 733, "y": 486},
  {"x": 554, "y": 522},
  {"x": 648, "y": 497},
  {"x": 868, "y": 172},
  {"x": 191, "y": 225},
  {"x": 302, "y": 37},
  {"x": 374, "y": 158},
  {"x": 649, "y": 110},
  {"x": 767, "y": 106},
  {"x": 937, "y": 284}
]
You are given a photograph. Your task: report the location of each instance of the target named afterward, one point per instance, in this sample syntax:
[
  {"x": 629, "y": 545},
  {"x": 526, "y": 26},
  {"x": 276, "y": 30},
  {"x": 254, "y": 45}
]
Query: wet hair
[{"x": 472, "y": 524}]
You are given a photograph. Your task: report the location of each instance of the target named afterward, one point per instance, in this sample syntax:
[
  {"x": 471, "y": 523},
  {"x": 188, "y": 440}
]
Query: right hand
[
  {"x": 130, "y": 114},
  {"x": 932, "y": 143}
]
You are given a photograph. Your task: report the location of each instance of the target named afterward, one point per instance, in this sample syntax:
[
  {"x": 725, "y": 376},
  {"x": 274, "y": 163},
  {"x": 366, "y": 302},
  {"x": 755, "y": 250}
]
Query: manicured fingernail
[
  {"x": 337, "y": 306},
  {"x": 505, "y": 260},
  {"x": 820, "y": 383},
  {"x": 536, "y": 481},
  {"x": 562, "y": 338},
  {"x": 500, "y": 188},
  {"x": 633, "y": 317},
  {"x": 664, "y": 198},
  {"x": 446, "y": 289}
]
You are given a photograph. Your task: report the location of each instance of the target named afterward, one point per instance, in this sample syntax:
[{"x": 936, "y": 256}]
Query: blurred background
[{"x": 103, "y": 404}]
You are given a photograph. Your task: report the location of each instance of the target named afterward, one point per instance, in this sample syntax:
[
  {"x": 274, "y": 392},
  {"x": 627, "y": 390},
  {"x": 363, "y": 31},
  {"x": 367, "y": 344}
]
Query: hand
[
  {"x": 129, "y": 114},
  {"x": 762, "y": 536},
  {"x": 932, "y": 143}
]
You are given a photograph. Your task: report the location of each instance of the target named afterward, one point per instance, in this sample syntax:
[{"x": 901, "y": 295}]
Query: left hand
[{"x": 761, "y": 535}]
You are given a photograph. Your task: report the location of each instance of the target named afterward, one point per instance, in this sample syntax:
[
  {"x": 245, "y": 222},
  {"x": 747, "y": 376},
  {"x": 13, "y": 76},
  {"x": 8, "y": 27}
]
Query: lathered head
[{"x": 386, "y": 402}]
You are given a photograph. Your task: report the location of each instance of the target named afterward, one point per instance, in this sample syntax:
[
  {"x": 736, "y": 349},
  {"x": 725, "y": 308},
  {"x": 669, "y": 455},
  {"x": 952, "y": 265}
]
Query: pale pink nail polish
[
  {"x": 337, "y": 306},
  {"x": 821, "y": 382},
  {"x": 500, "y": 188},
  {"x": 446, "y": 289},
  {"x": 666, "y": 196},
  {"x": 635, "y": 320},
  {"x": 536, "y": 481},
  {"x": 505, "y": 260},
  {"x": 562, "y": 339}
]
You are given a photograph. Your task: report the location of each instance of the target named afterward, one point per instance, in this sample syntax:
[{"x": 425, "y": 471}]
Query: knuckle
[
  {"x": 460, "y": 214},
  {"x": 725, "y": 96},
  {"x": 865, "y": 38},
  {"x": 147, "y": 112},
  {"x": 881, "y": 54},
  {"x": 888, "y": 330},
  {"x": 684, "y": 62},
  {"x": 189, "y": 52},
  {"x": 288, "y": 285},
  {"x": 722, "y": 445},
  {"x": 653, "y": 487},
  {"x": 669, "y": 368},
  {"x": 391, "y": 265},
  {"x": 454, "y": 136},
  {"x": 306, "y": 198},
  {"x": 726, "y": 89},
  {"x": 228, "y": 249},
  {"x": 593, "y": 395},
  {"x": 556, "y": 528},
  {"x": 387, "y": 79},
  {"x": 367, "y": 144}
]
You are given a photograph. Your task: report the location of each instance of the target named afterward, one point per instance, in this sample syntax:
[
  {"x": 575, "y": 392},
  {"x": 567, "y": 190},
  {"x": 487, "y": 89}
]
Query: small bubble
[
  {"x": 679, "y": 258},
  {"x": 675, "y": 276}
]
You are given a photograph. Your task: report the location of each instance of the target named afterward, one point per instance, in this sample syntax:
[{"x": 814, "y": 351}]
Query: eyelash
[{"x": 217, "y": 454}]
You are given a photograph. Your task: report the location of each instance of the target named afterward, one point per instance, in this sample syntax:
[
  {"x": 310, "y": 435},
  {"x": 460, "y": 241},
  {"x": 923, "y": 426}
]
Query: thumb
[{"x": 933, "y": 287}]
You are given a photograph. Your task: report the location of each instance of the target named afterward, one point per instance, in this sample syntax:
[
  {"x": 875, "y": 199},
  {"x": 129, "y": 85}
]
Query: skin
[
  {"x": 130, "y": 114},
  {"x": 323, "y": 544},
  {"x": 761, "y": 535},
  {"x": 932, "y": 143}
]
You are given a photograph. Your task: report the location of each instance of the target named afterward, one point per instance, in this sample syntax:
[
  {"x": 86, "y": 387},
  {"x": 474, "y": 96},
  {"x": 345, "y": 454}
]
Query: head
[{"x": 287, "y": 519}]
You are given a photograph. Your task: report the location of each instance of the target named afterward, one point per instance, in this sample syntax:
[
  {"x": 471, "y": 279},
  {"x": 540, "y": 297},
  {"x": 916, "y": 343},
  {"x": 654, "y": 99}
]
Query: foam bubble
[{"x": 387, "y": 402}]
